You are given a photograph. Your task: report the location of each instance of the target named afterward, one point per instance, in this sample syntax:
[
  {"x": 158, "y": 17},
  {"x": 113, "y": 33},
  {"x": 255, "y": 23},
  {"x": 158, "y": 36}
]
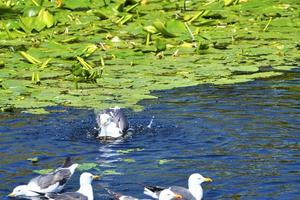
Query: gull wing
[
  {"x": 120, "y": 119},
  {"x": 59, "y": 177},
  {"x": 184, "y": 192},
  {"x": 67, "y": 196}
]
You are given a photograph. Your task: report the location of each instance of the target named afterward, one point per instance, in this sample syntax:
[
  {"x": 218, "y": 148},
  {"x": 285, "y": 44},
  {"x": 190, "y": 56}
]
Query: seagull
[
  {"x": 119, "y": 196},
  {"x": 166, "y": 194},
  {"x": 194, "y": 192},
  {"x": 112, "y": 123},
  {"x": 51, "y": 182},
  {"x": 85, "y": 191}
]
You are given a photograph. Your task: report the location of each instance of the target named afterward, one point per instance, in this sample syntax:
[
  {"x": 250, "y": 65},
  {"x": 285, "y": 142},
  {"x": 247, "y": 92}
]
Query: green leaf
[
  {"x": 284, "y": 67},
  {"x": 176, "y": 27},
  {"x": 111, "y": 172},
  {"x": 31, "y": 11},
  {"x": 244, "y": 68},
  {"x": 43, "y": 171},
  {"x": 89, "y": 50},
  {"x": 150, "y": 29},
  {"x": 2, "y": 64},
  {"x": 27, "y": 24},
  {"x": 101, "y": 14},
  {"x": 230, "y": 2},
  {"x": 76, "y": 4},
  {"x": 160, "y": 27},
  {"x": 87, "y": 166},
  {"x": 128, "y": 160},
  {"x": 30, "y": 58},
  {"x": 44, "y": 17},
  {"x": 164, "y": 161},
  {"x": 126, "y": 151},
  {"x": 36, "y": 111},
  {"x": 160, "y": 45},
  {"x": 33, "y": 160}
]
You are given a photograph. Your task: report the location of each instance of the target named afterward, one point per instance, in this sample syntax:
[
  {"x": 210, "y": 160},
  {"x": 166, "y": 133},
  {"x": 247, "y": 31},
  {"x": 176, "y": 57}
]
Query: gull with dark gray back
[{"x": 51, "y": 182}]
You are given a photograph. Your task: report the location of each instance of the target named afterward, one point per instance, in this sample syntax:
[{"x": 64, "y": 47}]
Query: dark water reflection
[{"x": 246, "y": 137}]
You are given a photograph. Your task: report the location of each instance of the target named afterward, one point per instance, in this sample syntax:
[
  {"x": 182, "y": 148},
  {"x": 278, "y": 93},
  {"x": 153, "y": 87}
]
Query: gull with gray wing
[
  {"x": 85, "y": 191},
  {"x": 194, "y": 191},
  {"x": 51, "y": 182},
  {"x": 112, "y": 123},
  {"x": 119, "y": 196},
  {"x": 166, "y": 194}
]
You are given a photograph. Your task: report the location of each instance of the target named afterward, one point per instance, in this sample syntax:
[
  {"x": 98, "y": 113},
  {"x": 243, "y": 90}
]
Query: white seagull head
[
  {"x": 167, "y": 194},
  {"x": 197, "y": 179},
  {"x": 21, "y": 190},
  {"x": 87, "y": 178}
]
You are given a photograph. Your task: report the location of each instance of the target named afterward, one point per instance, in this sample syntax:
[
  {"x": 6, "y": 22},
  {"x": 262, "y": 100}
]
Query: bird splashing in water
[{"x": 112, "y": 123}]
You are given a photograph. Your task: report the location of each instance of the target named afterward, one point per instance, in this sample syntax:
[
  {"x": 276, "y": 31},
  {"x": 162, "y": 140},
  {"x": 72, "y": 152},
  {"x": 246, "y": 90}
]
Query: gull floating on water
[
  {"x": 166, "y": 194},
  {"x": 119, "y": 196},
  {"x": 51, "y": 182},
  {"x": 85, "y": 191},
  {"x": 112, "y": 123},
  {"x": 194, "y": 192}
]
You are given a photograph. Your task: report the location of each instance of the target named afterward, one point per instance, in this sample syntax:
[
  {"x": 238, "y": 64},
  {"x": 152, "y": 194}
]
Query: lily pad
[
  {"x": 111, "y": 172},
  {"x": 126, "y": 151},
  {"x": 76, "y": 4},
  {"x": 97, "y": 54},
  {"x": 36, "y": 111},
  {"x": 128, "y": 160},
  {"x": 88, "y": 166},
  {"x": 43, "y": 171},
  {"x": 164, "y": 161},
  {"x": 284, "y": 68},
  {"x": 33, "y": 160}
]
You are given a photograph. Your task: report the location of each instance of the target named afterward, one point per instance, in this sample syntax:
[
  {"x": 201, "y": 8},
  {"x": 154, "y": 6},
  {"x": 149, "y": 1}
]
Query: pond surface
[{"x": 246, "y": 137}]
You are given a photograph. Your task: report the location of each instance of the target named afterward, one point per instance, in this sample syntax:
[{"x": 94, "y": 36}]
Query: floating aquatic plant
[
  {"x": 43, "y": 171},
  {"x": 99, "y": 53},
  {"x": 88, "y": 166}
]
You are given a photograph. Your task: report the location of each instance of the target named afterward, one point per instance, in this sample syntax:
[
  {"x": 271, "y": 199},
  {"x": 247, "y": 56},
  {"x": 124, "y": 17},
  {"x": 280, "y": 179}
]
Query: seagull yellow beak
[
  {"x": 178, "y": 196},
  {"x": 207, "y": 180},
  {"x": 96, "y": 177},
  {"x": 11, "y": 195}
]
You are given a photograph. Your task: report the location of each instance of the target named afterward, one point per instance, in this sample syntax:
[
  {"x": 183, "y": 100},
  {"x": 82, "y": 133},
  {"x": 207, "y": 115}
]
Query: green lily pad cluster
[{"x": 102, "y": 53}]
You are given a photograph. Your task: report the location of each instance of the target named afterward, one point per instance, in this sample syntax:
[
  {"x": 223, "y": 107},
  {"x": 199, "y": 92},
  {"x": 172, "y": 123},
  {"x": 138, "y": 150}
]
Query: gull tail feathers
[
  {"x": 51, "y": 196},
  {"x": 150, "y": 193},
  {"x": 67, "y": 163}
]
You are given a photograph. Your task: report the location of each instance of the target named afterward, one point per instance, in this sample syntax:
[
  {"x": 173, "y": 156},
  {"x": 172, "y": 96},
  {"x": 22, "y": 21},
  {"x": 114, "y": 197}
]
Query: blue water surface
[{"x": 246, "y": 137}]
